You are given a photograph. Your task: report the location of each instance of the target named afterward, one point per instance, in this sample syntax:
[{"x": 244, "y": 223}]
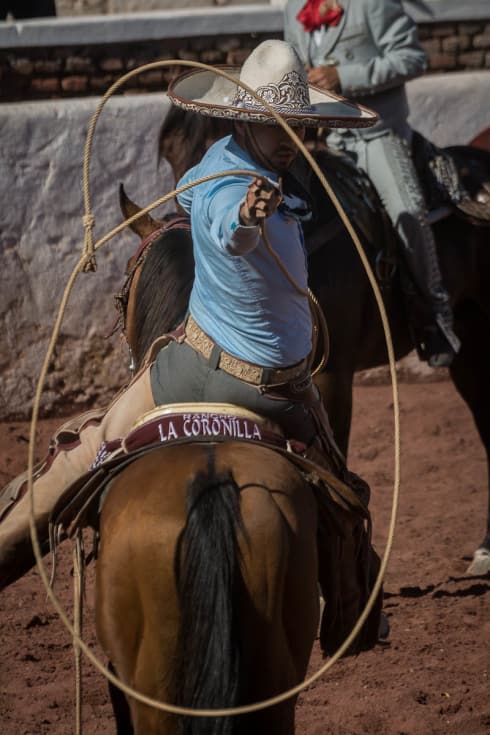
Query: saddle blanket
[{"x": 179, "y": 424}]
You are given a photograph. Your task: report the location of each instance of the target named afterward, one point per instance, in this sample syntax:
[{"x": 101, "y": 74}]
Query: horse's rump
[{"x": 207, "y": 577}]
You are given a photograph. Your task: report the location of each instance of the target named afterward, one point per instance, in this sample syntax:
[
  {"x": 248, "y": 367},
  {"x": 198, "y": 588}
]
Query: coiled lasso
[{"x": 87, "y": 262}]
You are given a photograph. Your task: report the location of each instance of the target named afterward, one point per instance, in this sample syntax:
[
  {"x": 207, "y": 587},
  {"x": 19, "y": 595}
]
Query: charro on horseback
[{"x": 248, "y": 335}]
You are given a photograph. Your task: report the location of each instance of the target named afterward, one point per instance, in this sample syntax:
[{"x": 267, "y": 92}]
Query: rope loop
[{"x": 88, "y": 260}]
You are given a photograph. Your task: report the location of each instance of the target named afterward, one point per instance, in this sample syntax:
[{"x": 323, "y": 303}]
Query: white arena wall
[{"x": 41, "y": 230}]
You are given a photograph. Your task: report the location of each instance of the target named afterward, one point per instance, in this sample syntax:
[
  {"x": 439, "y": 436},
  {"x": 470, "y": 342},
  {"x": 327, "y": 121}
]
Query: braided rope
[
  {"x": 78, "y": 588},
  {"x": 82, "y": 263},
  {"x": 88, "y": 244}
]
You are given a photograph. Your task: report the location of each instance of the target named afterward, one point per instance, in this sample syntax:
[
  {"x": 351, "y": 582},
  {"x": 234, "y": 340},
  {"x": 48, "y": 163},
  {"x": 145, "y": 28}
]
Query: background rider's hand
[
  {"x": 325, "y": 77},
  {"x": 261, "y": 201}
]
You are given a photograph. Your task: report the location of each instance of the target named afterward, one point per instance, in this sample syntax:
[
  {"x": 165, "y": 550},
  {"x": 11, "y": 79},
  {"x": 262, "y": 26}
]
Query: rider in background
[{"x": 366, "y": 50}]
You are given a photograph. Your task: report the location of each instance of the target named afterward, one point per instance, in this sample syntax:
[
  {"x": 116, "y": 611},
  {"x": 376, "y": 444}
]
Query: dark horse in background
[
  {"x": 338, "y": 279},
  {"x": 207, "y": 569}
]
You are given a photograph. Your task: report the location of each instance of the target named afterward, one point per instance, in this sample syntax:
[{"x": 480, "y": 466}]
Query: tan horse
[
  {"x": 207, "y": 572},
  {"x": 207, "y": 585}
]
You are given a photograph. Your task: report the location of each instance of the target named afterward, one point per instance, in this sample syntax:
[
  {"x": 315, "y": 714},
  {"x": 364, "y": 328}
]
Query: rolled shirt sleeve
[
  {"x": 223, "y": 201},
  {"x": 224, "y": 216}
]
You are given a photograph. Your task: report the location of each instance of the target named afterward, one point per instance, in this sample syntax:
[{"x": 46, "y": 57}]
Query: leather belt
[{"x": 247, "y": 371}]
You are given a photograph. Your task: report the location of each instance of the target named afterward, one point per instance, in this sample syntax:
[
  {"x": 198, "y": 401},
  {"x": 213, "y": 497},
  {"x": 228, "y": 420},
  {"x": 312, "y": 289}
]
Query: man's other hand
[{"x": 325, "y": 77}]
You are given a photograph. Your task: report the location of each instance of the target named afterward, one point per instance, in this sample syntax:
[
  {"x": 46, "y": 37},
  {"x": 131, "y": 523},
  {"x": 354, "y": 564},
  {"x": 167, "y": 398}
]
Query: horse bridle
[{"x": 121, "y": 299}]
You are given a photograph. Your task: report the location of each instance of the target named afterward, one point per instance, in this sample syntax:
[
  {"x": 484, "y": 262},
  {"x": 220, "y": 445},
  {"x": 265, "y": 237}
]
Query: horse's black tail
[{"x": 207, "y": 569}]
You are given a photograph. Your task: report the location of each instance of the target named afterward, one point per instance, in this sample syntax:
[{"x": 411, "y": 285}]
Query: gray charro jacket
[{"x": 376, "y": 50}]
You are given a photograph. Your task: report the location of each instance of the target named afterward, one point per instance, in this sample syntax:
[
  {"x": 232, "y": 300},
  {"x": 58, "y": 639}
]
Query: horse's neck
[{"x": 355, "y": 192}]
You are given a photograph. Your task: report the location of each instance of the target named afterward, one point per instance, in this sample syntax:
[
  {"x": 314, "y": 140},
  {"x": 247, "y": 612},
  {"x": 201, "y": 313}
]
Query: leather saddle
[
  {"x": 348, "y": 565},
  {"x": 184, "y": 423},
  {"x": 458, "y": 176},
  {"x": 352, "y": 187},
  {"x": 359, "y": 199}
]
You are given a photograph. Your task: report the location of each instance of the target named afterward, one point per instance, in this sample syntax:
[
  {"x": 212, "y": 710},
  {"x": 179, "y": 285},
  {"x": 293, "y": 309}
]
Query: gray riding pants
[
  {"x": 180, "y": 374},
  {"x": 387, "y": 161}
]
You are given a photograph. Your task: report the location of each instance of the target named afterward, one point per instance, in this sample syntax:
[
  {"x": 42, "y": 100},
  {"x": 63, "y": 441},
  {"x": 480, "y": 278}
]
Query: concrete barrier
[
  {"x": 177, "y": 18},
  {"x": 42, "y": 232},
  {"x": 42, "y": 236},
  {"x": 450, "y": 109}
]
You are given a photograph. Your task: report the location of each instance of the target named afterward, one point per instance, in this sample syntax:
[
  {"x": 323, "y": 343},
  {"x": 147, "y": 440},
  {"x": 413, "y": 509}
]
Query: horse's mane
[
  {"x": 185, "y": 137},
  {"x": 164, "y": 288}
]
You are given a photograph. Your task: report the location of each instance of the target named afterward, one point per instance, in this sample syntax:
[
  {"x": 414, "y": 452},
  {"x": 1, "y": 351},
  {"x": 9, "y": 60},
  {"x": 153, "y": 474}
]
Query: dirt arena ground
[{"x": 433, "y": 676}]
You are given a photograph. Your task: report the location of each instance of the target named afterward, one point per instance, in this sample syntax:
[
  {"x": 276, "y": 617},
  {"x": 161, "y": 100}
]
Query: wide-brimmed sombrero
[{"x": 275, "y": 72}]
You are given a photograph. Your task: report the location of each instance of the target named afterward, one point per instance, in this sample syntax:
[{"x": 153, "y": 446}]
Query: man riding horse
[
  {"x": 367, "y": 50},
  {"x": 248, "y": 336}
]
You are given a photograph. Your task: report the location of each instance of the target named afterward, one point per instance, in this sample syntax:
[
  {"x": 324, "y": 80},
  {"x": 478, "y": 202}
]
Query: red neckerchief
[{"x": 317, "y": 13}]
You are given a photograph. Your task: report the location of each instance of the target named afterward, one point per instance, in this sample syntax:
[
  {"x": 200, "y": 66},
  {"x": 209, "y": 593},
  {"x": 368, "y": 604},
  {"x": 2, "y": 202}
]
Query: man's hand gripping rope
[{"x": 261, "y": 201}]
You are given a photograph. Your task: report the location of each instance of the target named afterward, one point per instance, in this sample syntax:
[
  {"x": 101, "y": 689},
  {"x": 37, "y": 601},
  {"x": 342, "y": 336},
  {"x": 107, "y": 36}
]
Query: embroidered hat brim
[{"x": 212, "y": 95}]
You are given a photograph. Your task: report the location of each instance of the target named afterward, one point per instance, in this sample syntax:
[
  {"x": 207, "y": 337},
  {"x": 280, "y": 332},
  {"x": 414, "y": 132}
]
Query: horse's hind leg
[
  {"x": 470, "y": 372},
  {"x": 279, "y": 605},
  {"x": 151, "y": 679},
  {"x": 120, "y": 708},
  {"x": 134, "y": 585},
  {"x": 142, "y": 650},
  {"x": 269, "y": 656}
]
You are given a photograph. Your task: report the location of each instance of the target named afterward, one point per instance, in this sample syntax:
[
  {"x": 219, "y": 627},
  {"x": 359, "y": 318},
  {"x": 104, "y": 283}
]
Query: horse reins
[{"x": 121, "y": 299}]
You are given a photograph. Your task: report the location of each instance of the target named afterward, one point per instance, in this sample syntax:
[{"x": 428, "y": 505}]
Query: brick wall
[
  {"x": 456, "y": 46},
  {"x": 33, "y": 74},
  {"x": 44, "y": 73},
  {"x": 81, "y": 7},
  {"x": 86, "y": 7}
]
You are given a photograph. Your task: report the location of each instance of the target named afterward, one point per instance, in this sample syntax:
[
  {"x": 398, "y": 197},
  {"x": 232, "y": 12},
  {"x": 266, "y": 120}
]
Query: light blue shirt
[{"x": 240, "y": 297}]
